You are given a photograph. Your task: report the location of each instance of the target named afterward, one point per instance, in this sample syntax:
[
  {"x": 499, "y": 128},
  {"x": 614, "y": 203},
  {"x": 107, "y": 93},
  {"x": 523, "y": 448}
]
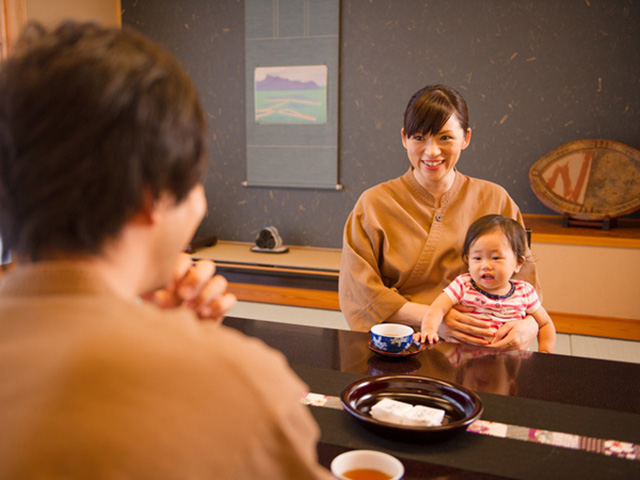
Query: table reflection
[
  {"x": 551, "y": 377},
  {"x": 479, "y": 369}
]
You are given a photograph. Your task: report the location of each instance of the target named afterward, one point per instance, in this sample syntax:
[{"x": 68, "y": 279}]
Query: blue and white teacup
[{"x": 391, "y": 337}]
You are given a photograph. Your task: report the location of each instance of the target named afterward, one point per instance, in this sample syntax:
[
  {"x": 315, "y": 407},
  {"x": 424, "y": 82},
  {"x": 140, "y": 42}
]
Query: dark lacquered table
[{"x": 555, "y": 397}]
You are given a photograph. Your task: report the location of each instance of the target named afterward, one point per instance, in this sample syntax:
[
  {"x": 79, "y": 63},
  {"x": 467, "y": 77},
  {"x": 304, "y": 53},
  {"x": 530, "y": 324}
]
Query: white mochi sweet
[
  {"x": 400, "y": 413},
  {"x": 392, "y": 411},
  {"x": 421, "y": 416}
]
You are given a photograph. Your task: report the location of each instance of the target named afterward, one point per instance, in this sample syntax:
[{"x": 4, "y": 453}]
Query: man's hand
[{"x": 195, "y": 286}]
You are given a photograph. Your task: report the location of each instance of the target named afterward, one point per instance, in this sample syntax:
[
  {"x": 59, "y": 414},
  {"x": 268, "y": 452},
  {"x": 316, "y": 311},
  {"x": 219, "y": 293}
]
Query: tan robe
[
  {"x": 399, "y": 247},
  {"x": 94, "y": 387}
]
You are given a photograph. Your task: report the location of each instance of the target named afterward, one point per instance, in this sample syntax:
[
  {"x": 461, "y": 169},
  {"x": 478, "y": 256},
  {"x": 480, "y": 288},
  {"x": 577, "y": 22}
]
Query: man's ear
[{"x": 148, "y": 210}]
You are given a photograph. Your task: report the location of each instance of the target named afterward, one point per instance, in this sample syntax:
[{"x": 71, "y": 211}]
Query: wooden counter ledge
[{"x": 549, "y": 229}]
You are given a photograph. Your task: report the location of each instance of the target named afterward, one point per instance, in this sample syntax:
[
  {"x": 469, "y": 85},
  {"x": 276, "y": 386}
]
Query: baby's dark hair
[{"x": 514, "y": 232}]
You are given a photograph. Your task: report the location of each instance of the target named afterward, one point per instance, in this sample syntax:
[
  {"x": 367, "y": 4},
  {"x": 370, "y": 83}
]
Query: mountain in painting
[{"x": 278, "y": 83}]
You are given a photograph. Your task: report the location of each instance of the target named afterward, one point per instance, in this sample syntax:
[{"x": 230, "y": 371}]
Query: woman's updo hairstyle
[{"x": 430, "y": 108}]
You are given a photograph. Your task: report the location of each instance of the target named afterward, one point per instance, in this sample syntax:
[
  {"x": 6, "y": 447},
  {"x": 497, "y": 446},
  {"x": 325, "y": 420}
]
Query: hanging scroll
[{"x": 291, "y": 66}]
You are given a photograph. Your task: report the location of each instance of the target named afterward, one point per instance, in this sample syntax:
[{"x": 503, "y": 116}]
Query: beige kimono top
[
  {"x": 399, "y": 247},
  {"x": 95, "y": 387}
]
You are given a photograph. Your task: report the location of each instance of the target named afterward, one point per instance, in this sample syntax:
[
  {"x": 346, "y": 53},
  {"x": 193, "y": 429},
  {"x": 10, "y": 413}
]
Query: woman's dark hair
[
  {"x": 430, "y": 108},
  {"x": 514, "y": 232},
  {"x": 92, "y": 119}
]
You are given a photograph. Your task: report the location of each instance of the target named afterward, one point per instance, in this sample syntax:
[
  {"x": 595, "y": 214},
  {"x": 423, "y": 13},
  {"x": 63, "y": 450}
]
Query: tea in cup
[{"x": 367, "y": 465}]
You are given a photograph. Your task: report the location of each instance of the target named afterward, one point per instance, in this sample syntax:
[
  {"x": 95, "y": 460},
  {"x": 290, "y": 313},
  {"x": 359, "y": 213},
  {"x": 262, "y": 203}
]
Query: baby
[{"x": 494, "y": 249}]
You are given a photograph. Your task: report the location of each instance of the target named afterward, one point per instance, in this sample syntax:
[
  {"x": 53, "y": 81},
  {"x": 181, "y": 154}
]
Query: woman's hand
[
  {"x": 458, "y": 326},
  {"x": 196, "y": 287},
  {"x": 516, "y": 335}
]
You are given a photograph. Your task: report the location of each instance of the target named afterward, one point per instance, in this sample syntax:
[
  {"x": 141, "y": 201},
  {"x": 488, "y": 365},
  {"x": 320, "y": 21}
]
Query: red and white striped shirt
[{"x": 521, "y": 301}]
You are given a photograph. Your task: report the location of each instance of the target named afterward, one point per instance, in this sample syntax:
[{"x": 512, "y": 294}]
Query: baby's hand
[
  {"x": 429, "y": 329},
  {"x": 430, "y": 335}
]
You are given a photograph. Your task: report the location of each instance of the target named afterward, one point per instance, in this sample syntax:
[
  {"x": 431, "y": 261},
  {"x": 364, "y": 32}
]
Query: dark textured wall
[{"x": 536, "y": 75}]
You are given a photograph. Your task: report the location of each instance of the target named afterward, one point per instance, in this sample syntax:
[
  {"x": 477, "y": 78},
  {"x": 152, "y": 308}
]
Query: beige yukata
[
  {"x": 399, "y": 247},
  {"x": 96, "y": 387}
]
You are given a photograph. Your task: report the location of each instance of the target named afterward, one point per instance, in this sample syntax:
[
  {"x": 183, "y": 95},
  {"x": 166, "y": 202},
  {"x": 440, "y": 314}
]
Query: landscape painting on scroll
[
  {"x": 291, "y": 95},
  {"x": 589, "y": 179}
]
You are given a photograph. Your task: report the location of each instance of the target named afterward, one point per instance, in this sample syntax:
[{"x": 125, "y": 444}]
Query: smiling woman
[
  {"x": 403, "y": 240},
  {"x": 436, "y": 130},
  {"x": 434, "y": 157}
]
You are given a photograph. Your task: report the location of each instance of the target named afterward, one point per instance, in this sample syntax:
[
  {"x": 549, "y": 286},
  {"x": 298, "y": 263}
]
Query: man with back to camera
[{"x": 102, "y": 155}]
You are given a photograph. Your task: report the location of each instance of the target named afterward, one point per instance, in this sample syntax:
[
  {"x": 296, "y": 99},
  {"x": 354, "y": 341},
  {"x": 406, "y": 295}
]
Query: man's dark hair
[{"x": 92, "y": 120}]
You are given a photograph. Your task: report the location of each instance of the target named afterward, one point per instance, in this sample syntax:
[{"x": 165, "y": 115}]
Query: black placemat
[{"x": 497, "y": 456}]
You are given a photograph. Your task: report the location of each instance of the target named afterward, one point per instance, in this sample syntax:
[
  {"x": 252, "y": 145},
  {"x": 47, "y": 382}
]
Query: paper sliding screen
[{"x": 292, "y": 59}]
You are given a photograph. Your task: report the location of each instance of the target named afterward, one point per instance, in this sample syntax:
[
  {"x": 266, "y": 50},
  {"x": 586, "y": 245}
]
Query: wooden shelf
[
  {"x": 298, "y": 297},
  {"x": 549, "y": 229},
  {"x": 308, "y": 276},
  {"x": 625, "y": 329},
  {"x": 239, "y": 254},
  {"x": 622, "y": 328}
]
